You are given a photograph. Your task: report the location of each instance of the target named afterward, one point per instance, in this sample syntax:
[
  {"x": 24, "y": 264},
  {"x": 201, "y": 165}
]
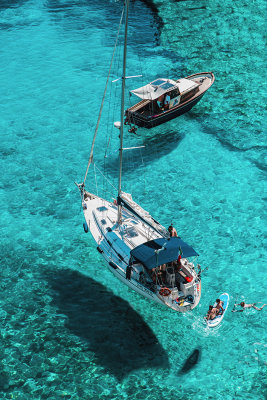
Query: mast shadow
[{"x": 118, "y": 336}]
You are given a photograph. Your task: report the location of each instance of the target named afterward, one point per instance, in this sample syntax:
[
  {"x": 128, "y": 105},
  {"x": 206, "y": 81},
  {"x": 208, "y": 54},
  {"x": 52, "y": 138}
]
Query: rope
[
  {"x": 102, "y": 103},
  {"x": 105, "y": 177}
]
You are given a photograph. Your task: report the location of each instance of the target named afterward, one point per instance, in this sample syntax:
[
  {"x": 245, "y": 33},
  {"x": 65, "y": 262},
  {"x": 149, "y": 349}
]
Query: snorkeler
[{"x": 245, "y": 306}]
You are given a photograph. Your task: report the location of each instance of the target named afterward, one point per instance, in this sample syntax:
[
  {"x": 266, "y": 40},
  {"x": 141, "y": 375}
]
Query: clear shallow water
[{"x": 68, "y": 328}]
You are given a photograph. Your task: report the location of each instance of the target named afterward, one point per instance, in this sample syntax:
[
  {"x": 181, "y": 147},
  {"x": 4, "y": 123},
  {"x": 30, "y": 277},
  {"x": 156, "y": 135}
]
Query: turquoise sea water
[{"x": 69, "y": 329}]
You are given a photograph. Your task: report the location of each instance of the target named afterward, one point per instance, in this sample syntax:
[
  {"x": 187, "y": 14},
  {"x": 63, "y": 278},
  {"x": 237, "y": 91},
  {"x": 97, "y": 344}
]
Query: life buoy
[{"x": 165, "y": 291}]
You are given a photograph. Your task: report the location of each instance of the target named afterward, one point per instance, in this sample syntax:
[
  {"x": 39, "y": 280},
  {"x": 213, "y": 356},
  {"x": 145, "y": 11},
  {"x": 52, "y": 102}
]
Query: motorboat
[{"x": 165, "y": 99}]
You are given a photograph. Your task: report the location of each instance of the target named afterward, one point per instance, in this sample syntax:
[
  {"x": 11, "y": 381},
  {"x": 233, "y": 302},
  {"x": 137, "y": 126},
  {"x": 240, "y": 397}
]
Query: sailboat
[
  {"x": 137, "y": 249},
  {"x": 165, "y": 99}
]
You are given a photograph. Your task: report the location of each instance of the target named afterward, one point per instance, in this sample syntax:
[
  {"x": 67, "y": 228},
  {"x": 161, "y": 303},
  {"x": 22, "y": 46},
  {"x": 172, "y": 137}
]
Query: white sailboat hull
[{"x": 136, "y": 286}]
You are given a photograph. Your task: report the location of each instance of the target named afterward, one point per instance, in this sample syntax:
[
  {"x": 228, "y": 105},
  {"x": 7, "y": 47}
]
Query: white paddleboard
[{"x": 217, "y": 320}]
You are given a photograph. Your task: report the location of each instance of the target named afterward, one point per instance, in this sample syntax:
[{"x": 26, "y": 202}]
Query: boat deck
[{"x": 124, "y": 237}]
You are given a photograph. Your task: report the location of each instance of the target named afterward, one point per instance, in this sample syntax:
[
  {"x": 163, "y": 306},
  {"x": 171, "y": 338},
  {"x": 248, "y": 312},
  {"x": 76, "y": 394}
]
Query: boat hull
[
  {"x": 152, "y": 120},
  {"x": 143, "y": 291},
  {"x": 134, "y": 285}
]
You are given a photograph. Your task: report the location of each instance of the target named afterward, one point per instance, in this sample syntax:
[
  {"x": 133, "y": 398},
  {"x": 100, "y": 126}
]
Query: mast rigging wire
[{"x": 102, "y": 103}]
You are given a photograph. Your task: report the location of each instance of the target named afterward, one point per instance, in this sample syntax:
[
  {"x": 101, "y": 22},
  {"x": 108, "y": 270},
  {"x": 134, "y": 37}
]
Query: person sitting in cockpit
[
  {"x": 160, "y": 102},
  {"x": 167, "y": 102}
]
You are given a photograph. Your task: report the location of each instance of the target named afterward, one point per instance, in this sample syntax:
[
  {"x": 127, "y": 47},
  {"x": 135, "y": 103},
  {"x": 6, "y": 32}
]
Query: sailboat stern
[
  {"x": 175, "y": 280},
  {"x": 178, "y": 294}
]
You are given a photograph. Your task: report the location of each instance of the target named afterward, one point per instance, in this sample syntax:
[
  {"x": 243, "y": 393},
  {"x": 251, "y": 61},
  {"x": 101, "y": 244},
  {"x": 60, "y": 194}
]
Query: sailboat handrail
[
  {"x": 103, "y": 98},
  {"x": 144, "y": 215}
]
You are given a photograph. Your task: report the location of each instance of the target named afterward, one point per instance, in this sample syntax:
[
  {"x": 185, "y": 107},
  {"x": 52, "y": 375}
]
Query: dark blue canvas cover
[{"x": 161, "y": 251}]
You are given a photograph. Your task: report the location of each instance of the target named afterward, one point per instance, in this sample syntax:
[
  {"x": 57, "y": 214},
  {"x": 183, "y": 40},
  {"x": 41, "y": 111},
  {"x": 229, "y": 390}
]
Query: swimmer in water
[{"x": 245, "y": 306}]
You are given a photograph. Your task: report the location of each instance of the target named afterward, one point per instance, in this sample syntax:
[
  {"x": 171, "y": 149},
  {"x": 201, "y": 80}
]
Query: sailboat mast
[{"x": 122, "y": 102}]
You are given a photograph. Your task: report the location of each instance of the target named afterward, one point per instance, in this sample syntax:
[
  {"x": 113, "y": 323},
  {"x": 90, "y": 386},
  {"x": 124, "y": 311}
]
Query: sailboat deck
[{"x": 102, "y": 215}]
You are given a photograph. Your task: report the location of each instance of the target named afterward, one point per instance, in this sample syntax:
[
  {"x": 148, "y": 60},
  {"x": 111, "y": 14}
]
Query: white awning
[
  {"x": 155, "y": 89},
  {"x": 185, "y": 85},
  {"x": 160, "y": 86}
]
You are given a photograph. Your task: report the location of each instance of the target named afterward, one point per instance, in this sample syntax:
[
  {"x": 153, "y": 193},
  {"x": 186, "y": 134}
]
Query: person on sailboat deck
[
  {"x": 129, "y": 272},
  {"x": 172, "y": 231},
  {"x": 162, "y": 267}
]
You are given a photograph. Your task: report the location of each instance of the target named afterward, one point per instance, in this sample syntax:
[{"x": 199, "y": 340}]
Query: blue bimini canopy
[{"x": 161, "y": 251}]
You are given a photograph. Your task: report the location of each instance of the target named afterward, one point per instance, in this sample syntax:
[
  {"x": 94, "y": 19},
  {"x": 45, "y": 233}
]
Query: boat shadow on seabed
[
  {"x": 119, "y": 337},
  {"x": 155, "y": 145}
]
